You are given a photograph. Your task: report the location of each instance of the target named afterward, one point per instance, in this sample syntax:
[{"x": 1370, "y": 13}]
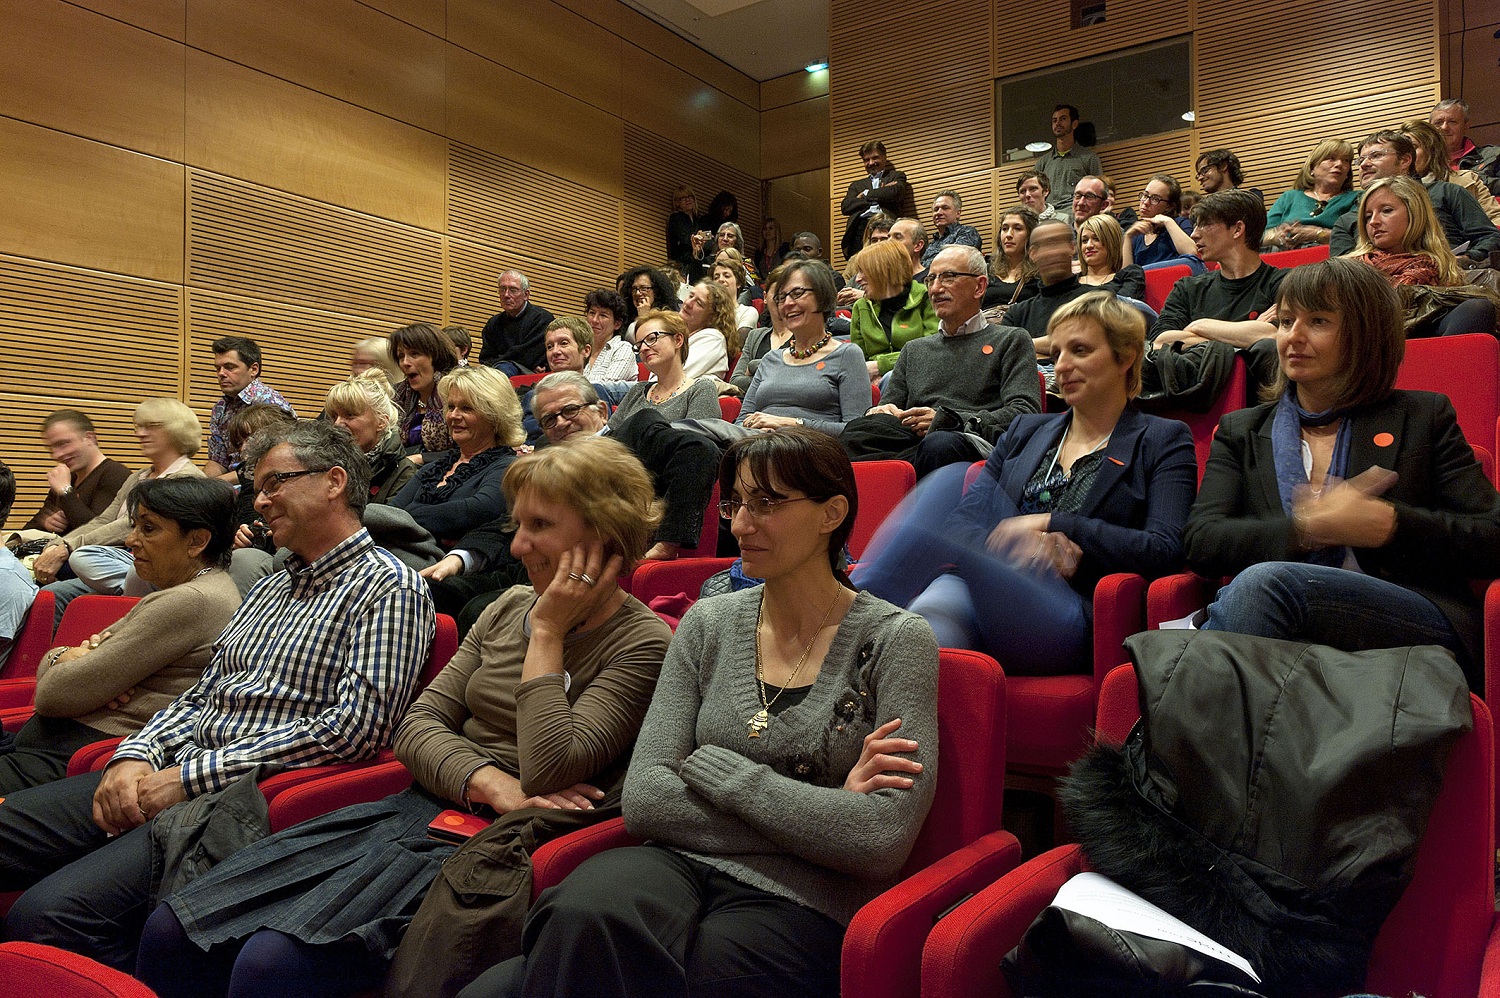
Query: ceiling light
[
  {"x": 1038, "y": 146},
  {"x": 1189, "y": 116},
  {"x": 817, "y": 67}
]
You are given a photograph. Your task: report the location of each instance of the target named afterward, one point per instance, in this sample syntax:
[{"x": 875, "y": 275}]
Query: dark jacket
[
  {"x": 389, "y": 468},
  {"x": 1447, "y": 512},
  {"x": 894, "y": 197},
  {"x": 1132, "y": 519},
  {"x": 471, "y": 498},
  {"x": 684, "y": 467}
]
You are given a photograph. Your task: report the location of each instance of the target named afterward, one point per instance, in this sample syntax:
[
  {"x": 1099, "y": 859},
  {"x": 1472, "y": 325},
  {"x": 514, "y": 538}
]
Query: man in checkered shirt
[{"x": 317, "y": 666}]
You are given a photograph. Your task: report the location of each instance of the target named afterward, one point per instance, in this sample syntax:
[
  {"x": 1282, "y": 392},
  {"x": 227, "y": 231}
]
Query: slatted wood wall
[
  {"x": 308, "y": 174},
  {"x": 1270, "y": 80}
]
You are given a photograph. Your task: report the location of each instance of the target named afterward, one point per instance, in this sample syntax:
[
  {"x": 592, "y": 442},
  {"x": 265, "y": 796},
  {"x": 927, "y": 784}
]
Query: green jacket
[{"x": 913, "y": 320}]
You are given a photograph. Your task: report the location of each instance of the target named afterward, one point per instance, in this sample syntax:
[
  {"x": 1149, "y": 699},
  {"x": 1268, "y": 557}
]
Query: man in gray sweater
[{"x": 959, "y": 388}]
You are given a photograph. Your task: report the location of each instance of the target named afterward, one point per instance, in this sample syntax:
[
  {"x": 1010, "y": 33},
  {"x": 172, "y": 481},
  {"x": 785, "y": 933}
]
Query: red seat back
[
  {"x": 1297, "y": 257},
  {"x": 522, "y": 381},
  {"x": 1464, "y": 368},
  {"x": 1159, "y": 281},
  {"x": 881, "y": 486},
  {"x": 1205, "y": 424},
  {"x": 89, "y": 615},
  {"x": 47, "y": 972},
  {"x": 444, "y": 644},
  {"x": 729, "y": 408},
  {"x": 32, "y": 641}
]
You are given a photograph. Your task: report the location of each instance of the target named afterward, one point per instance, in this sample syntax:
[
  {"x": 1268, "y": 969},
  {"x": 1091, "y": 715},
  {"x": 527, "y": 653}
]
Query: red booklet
[{"x": 456, "y": 826}]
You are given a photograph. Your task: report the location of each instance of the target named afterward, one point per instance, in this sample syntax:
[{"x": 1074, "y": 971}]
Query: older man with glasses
[
  {"x": 1091, "y": 195},
  {"x": 512, "y": 341}
]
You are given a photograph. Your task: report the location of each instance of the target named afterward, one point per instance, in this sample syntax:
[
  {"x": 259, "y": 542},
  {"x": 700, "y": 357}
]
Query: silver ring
[
  {"x": 576, "y": 577},
  {"x": 585, "y": 580}
]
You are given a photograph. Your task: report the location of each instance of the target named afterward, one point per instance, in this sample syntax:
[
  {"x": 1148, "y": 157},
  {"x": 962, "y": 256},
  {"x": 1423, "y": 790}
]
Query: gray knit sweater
[
  {"x": 978, "y": 382},
  {"x": 772, "y": 812}
]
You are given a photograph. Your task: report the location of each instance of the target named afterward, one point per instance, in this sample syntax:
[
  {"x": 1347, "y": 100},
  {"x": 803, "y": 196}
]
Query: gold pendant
[{"x": 760, "y": 722}]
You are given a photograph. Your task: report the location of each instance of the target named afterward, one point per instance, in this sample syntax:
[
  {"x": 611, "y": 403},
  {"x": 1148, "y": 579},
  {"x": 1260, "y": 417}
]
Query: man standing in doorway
[{"x": 1065, "y": 163}]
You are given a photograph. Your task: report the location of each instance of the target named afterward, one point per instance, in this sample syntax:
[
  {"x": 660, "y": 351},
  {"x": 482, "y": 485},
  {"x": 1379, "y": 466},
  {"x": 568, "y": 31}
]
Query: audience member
[
  {"x": 83, "y": 482},
  {"x": 762, "y": 341},
  {"x": 1101, "y": 259},
  {"x": 1054, "y": 511},
  {"x": 251, "y": 557},
  {"x": 1431, "y": 163},
  {"x": 952, "y": 394},
  {"x": 896, "y": 310},
  {"x": 714, "y": 899},
  {"x": 681, "y": 462},
  {"x": 612, "y": 358},
  {"x": 661, "y": 341},
  {"x": 947, "y": 210},
  {"x": 1013, "y": 277},
  {"x": 111, "y": 684},
  {"x": 1066, "y": 163},
  {"x": 815, "y": 380},
  {"x": 569, "y": 344},
  {"x": 1091, "y": 195},
  {"x": 1304, "y": 215},
  {"x": 730, "y": 274},
  {"x": 315, "y": 667},
  {"x": 1220, "y": 170},
  {"x": 424, "y": 356},
  {"x": 772, "y": 248},
  {"x": 1052, "y": 249},
  {"x": 367, "y": 410},
  {"x": 512, "y": 339},
  {"x": 458, "y": 492},
  {"x": 169, "y": 433},
  {"x": 883, "y": 188},
  {"x": 683, "y": 224},
  {"x": 1451, "y": 118},
  {"x": 1389, "y": 153},
  {"x": 1160, "y": 238},
  {"x": 646, "y": 289},
  {"x": 530, "y": 724},
  {"x": 910, "y": 234},
  {"x": 1335, "y": 531},
  {"x": 1399, "y": 236},
  {"x": 462, "y": 344},
  {"x": 375, "y": 351},
  {"x": 237, "y": 368},
  {"x": 17, "y": 587},
  {"x": 1034, "y": 191},
  {"x": 708, "y": 314}
]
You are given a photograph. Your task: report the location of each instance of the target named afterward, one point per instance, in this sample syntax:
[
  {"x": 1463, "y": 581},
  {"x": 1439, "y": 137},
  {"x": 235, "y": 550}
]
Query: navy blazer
[
  {"x": 1132, "y": 518},
  {"x": 1447, "y": 512},
  {"x": 471, "y": 499}
]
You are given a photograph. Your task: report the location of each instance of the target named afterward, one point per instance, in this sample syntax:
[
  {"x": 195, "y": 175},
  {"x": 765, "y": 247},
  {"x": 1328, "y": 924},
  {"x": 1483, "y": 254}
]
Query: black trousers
[
  {"x": 42, "y": 749},
  {"x": 647, "y": 921},
  {"x": 85, "y": 892}
]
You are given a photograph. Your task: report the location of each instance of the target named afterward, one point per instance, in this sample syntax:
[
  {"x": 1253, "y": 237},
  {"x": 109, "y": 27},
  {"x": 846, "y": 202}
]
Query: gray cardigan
[{"x": 772, "y": 812}]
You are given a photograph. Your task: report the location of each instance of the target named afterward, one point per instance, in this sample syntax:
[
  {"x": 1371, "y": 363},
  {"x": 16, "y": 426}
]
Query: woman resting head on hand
[{"x": 781, "y": 777}]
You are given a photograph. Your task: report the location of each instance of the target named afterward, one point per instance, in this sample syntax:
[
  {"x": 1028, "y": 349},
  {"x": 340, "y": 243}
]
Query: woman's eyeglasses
[
  {"x": 649, "y": 340},
  {"x": 790, "y": 294},
  {"x": 760, "y": 507}
]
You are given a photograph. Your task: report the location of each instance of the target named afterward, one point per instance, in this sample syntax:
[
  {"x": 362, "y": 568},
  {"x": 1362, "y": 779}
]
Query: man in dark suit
[{"x": 885, "y": 188}]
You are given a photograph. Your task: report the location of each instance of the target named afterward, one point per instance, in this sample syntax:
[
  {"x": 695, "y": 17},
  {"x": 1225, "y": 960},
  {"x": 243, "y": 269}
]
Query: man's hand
[
  {"x": 451, "y": 565},
  {"x": 49, "y": 563},
  {"x": 59, "y": 478},
  {"x": 159, "y": 791},
  {"x": 662, "y": 551},
  {"x": 884, "y": 409},
  {"x": 918, "y": 419},
  {"x": 117, "y": 808},
  {"x": 55, "y": 522}
]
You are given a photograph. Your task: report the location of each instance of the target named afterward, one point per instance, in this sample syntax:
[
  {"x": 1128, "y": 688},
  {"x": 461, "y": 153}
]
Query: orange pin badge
[
  {"x": 1384, "y": 439},
  {"x": 987, "y": 348},
  {"x": 820, "y": 365}
]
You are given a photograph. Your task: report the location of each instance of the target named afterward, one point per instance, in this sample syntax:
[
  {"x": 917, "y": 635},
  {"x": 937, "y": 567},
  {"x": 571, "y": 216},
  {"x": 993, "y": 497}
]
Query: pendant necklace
[{"x": 762, "y": 718}]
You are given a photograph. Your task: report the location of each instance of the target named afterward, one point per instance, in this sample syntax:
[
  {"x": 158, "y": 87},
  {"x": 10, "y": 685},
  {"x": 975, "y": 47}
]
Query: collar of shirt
[
  {"x": 968, "y": 327},
  {"x": 312, "y": 576}
]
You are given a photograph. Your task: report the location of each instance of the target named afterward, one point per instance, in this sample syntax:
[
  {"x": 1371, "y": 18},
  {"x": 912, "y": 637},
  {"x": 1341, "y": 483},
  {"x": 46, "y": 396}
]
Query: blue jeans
[
  {"x": 1032, "y": 623},
  {"x": 1328, "y": 606}
]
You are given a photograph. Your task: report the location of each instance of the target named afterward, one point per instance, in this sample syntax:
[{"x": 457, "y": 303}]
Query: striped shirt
[{"x": 316, "y": 666}]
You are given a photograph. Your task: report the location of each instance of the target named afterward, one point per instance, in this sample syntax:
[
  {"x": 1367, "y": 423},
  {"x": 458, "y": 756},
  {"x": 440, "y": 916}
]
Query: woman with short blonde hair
[{"x": 364, "y": 406}]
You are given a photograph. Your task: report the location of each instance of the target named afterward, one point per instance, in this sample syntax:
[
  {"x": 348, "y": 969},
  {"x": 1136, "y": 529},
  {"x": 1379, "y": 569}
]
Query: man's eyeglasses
[
  {"x": 271, "y": 487},
  {"x": 1087, "y": 196},
  {"x": 760, "y": 507},
  {"x": 947, "y": 277},
  {"x": 566, "y": 412},
  {"x": 790, "y": 294}
]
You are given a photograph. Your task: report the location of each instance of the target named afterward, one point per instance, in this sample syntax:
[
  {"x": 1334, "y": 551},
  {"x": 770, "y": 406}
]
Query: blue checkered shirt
[{"x": 316, "y": 666}]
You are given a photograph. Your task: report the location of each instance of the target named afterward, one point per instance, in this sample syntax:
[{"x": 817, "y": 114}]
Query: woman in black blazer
[
  {"x": 1350, "y": 514},
  {"x": 1010, "y": 566}
]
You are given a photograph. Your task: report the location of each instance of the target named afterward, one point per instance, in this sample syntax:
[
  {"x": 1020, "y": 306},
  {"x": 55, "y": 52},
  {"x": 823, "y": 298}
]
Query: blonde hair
[
  {"x": 183, "y": 426},
  {"x": 367, "y": 391},
  {"x": 1104, "y": 228},
  {"x": 1327, "y": 149},
  {"x": 671, "y": 324},
  {"x": 721, "y": 314},
  {"x": 886, "y": 266},
  {"x": 378, "y": 349},
  {"x": 491, "y": 395},
  {"x": 581, "y": 331},
  {"x": 1424, "y": 233},
  {"x": 1124, "y": 330},
  {"x": 602, "y": 481}
]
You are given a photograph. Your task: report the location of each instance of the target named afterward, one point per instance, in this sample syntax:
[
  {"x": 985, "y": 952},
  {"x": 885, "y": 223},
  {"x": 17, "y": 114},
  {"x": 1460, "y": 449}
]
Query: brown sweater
[
  {"x": 160, "y": 648},
  {"x": 477, "y": 711},
  {"x": 91, "y": 495},
  {"x": 112, "y": 526}
]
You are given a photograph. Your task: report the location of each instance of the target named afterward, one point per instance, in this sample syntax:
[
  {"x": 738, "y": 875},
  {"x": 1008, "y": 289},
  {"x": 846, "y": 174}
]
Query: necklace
[
  {"x": 791, "y": 347},
  {"x": 662, "y": 401},
  {"x": 761, "y": 720}
]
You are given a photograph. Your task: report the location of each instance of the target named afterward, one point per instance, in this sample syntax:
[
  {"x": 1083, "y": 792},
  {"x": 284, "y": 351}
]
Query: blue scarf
[{"x": 1286, "y": 445}]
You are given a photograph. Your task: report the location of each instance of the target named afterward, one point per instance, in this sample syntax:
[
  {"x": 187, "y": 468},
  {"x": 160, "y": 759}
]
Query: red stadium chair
[
  {"x": 1433, "y": 943},
  {"x": 48, "y": 972},
  {"x": 85, "y": 616},
  {"x": 33, "y": 640},
  {"x": 685, "y": 576},
  {"x": 1159, "y": 282},
  {"x": 960, "y": 849},
  {"x": 729, "y": 408},
  {"x": 521, "y": 382},
  {"x": 881, "y": 486},
  {"x": 1297, "y": 257},
  {"x": 1467, "y": 370},
  {"x": 1205, "y": 424},
  {"x": 642, "y": 372}
]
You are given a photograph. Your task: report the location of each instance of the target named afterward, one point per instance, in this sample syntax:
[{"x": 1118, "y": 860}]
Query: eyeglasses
[
  {"x": 649, "y": 340},
  {"x": 566, "y": 412},
  {"x": 947, "y": 277},
  {"x": 511, "y": 292},
  {"x": 759, "y": 507},
  {"x": 1087, "y": 196},
  {"x": 790, "y": 294},
  {"x": 642, "y": 289},
  {"x": 1148, "y": 198},
  {"x": 274, "y": 481}
]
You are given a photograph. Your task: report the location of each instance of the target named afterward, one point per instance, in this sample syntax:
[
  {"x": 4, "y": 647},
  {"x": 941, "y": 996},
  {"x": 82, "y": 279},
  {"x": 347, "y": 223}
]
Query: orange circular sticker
[
  {"x": 987, "y": 348},
  {"x": 453, "y": 820},
  {"x": 820, "y": 365},
  {"x": 1384, "y": 439}
]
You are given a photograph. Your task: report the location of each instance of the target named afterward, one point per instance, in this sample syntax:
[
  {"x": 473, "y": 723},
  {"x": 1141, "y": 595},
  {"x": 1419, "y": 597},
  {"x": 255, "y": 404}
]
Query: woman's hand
[
  {"x": 49, "y": 563},
  {"x": 765, "y": 421},
  {"x": 1142, "y": 227},
  {"x": 873, "y": 367},
  {"x": 449, "y": 566},
  {"x": 569, "y": 599},
  {"x": 1015, "y": 537},
  {"x": 243, "y": 537},
  {"x": 578, "y": 797},
  {"x": 662, "y": 551},
  {"x": 877, "y": 768},
  {"x": 1064, "y": 553},
  {"x": 1346, "y": 512}
]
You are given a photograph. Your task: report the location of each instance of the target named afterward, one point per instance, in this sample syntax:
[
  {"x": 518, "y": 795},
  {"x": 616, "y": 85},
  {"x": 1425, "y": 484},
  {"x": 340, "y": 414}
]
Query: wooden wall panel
[
  {"x": 272, "y": 246},
  {"x": 20, "y": 428},
  {"x": 799, "y": 202},
  {"x": 305, "y": 350},
  {"x": 83, "y": 73},
  {"x": 429, "y": 15},
  {"x": 492, "y": 199},
  {"x": 653, "y": 169},
  {"x": 503, "y": 112},
  {"x": 794, "y": 138},
  {"x": 668, "y": 101},
  {"x": 473, "y": 269},
  {"x": 793, "y": 88},
  {"x": 164, "y": 17},
  {"x": 1130, "y": 164},
  {"x": 68, "y": 199},
  {"x": 395, "y": 69},
  {"x": 546, "y": 42},
  {"x": 256, "y": 127},
  {"x": 978, "y": 197},
  {"x": 1018, "y": 23}
]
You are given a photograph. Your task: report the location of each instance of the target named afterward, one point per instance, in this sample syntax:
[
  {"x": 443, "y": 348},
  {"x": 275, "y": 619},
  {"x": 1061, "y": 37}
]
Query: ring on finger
[
  {"x": 576, "y": 577},
  {"x": 586, "y": 579}
]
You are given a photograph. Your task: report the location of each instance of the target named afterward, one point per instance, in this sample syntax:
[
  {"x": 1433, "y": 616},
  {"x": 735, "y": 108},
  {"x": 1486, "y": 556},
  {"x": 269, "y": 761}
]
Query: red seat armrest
[
  {"x": 560, "y": 857},
  {"x": 329, "y": 791}
]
